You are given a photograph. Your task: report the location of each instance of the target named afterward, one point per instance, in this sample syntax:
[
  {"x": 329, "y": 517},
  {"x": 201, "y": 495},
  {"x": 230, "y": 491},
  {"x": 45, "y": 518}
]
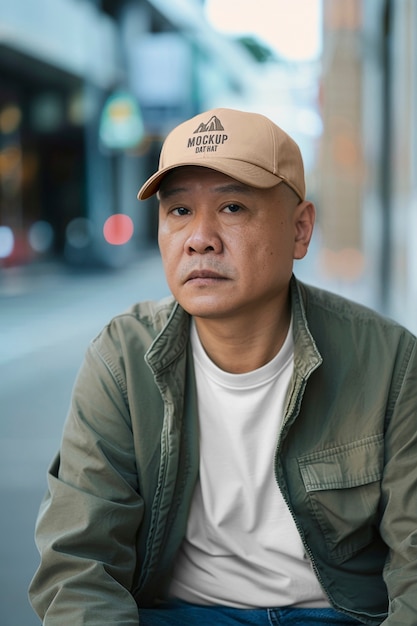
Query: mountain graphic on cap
[{"x": 213, "y": 124}]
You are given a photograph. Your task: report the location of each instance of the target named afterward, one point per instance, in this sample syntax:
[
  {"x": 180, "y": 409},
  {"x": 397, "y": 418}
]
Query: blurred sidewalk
[
  {"x": 44, "y": 275},
  {"x": 40, "y": 304},
  {"x": 25, "y": 278}
]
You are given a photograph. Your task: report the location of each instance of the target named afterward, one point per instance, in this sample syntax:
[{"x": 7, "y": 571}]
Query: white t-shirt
[{"x": 242, "y": 547}]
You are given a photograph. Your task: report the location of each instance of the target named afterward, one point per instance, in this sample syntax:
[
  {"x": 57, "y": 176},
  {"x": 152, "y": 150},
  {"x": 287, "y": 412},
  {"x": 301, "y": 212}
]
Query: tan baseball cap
[{"x": 246, "y": 146}]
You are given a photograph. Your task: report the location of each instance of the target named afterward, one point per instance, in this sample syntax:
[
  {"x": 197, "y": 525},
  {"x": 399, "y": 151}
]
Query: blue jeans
[{"x": 183, "y": 614}]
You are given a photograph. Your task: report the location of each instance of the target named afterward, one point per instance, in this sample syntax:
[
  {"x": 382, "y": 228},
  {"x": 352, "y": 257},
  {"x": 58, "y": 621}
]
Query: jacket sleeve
[
  {"x": 399, "y": 497},
  {"x": 92, "y": 511}
]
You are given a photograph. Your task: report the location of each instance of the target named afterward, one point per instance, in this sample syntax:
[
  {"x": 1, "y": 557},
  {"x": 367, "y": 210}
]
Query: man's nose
[{"x": 203, "y": 237}]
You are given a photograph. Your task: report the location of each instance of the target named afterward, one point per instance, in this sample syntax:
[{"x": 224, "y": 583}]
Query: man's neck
[{"x": 243, "y": 345}]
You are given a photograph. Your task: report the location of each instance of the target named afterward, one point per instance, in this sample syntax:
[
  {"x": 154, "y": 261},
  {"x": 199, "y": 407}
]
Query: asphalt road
[{"x": 47, "y": 318}]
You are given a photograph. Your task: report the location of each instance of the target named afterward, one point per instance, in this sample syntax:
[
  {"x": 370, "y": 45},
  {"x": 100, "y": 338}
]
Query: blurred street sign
[{"x": 121, "y": 124}]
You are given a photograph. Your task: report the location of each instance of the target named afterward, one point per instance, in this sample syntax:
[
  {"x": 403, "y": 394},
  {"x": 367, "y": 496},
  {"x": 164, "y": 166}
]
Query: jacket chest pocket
[{"x": 343, "y": 492}]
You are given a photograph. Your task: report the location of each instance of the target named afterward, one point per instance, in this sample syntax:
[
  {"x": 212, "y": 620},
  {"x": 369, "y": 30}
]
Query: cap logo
[
  {"x": 213, "y": 124},
  {"x": 208, "y": 136}
]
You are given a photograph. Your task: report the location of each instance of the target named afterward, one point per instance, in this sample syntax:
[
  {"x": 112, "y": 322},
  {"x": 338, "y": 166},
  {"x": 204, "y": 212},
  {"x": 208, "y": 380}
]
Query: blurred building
[
  {"x": 51, "y": 52},
  {"x": 399, "y": 145},
  {"x": 367, "y": 192},
  {"x": 341, "y": 163},
  {"x": 88, "y": 88}
]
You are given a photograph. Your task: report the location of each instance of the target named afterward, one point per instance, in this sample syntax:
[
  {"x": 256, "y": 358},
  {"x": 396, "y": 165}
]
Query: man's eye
[
  {"x": 180, "y": 211},
  {"x": 232, "y": 208}
]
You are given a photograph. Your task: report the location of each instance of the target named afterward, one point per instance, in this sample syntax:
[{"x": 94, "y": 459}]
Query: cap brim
[{"x": 239, "y": 170}]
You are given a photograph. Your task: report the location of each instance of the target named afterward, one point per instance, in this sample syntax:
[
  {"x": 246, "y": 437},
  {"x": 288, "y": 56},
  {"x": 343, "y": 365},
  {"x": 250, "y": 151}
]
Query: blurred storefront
[
  {"x": 88, "y": 89},
  {"x": 54, "y": 55}
]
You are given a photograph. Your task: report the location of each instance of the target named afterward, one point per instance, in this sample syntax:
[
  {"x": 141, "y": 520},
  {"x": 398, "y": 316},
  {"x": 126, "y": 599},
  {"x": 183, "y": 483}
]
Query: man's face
[{"x": 227, "y": 248}]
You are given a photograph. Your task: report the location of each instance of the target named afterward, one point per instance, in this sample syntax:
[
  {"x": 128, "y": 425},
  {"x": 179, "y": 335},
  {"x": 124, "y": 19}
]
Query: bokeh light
[
  {"x": 41, "y": 236},
  {"x": 79, "y": 232},
  {"x": 118, "y": 229},
  {"x": 10, "y": 118},
  {"x": 6, "y": 242}
]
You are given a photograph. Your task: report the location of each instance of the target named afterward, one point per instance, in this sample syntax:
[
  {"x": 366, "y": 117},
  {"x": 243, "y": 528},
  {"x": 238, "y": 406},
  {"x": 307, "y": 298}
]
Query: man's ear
[{"x": 305, "y": 215}]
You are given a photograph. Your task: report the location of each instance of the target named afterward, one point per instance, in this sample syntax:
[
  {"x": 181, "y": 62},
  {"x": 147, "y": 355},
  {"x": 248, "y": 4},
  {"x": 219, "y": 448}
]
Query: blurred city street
[
  {"x": 88, "y": 91},
  {"x": 47, "y": 318}
]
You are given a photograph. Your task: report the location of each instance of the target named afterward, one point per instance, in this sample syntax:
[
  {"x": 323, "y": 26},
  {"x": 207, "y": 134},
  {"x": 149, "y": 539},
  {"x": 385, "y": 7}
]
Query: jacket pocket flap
[{"x": 342, "y": 467}]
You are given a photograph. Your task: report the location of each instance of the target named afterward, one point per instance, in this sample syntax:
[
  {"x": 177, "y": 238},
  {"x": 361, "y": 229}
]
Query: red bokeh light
[{"x": 118, "y": 229}]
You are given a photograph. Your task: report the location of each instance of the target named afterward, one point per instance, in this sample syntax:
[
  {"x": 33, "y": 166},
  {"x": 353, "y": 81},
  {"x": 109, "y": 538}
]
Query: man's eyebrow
[{"x": 167, "y": 192}]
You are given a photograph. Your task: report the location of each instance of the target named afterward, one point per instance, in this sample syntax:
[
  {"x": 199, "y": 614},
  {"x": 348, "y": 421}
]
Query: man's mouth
[{"x": 204, "y": 275}]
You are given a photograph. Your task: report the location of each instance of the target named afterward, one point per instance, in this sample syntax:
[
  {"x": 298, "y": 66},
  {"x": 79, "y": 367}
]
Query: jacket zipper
[{"x": 281, "y": 436}]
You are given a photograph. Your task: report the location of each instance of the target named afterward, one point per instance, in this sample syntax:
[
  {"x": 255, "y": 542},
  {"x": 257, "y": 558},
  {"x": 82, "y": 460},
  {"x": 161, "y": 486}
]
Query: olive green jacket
[{"x": 346, "y": 463}]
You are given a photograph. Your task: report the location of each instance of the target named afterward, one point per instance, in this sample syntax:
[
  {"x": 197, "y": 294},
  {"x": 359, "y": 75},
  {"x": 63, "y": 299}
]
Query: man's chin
[{"x": 205, "y": 310}]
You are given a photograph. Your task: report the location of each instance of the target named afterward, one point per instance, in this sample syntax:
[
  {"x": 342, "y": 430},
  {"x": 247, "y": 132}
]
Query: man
[{"x": 245, "y": 451}]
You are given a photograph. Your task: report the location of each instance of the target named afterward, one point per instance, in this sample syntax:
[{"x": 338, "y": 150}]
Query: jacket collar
[
  {"x": 306, "y": 353},
  {"x": 172, "y": 340}
]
